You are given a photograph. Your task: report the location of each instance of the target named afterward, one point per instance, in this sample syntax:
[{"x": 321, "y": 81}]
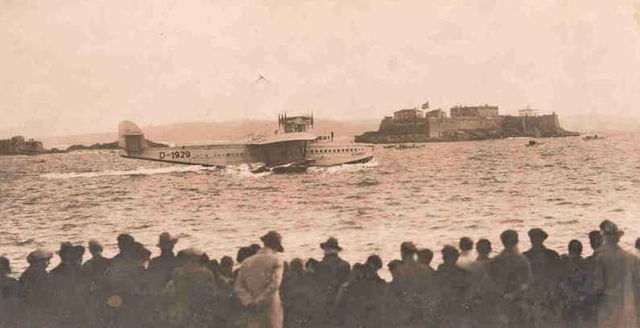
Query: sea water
[{"x": 431, "y": 195}]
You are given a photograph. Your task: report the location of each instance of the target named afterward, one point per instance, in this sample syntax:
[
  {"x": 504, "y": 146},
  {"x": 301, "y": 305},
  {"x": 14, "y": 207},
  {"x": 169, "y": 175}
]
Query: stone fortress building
[
  {"x": 18, "y": 145},
  {"x": 463, "y": 123}
]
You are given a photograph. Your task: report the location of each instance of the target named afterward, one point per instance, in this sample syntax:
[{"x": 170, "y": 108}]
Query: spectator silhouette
[
  {"x": 192, "y": 292},
  {"x": 360, "y": 300},
  {"x": 126, "y": 277},
  {"x": 544, "y": 261},
  {"x": 466, "y": 252},
  {"x": 9, "y": 287},
  {"x": 258, "y": 283},
  {"x": 297, "y": 296},
  {"x": 125, "y": 241},
  {"x": 616, "y": 272},
  {"x": 37, "y": 288},
  {"x": 94, "y": 269},
  {"x": 485, "y": 295},
  {"x": 595, "y": 241},
  {"x": 425, "y": 256},
  {"x": 162, "y": 266},
  {"x": 393, "y": 269},
  {"x": 93, "y": 273},
  {"x": 574, "y": 287},
  {"x": 478, "y": 268},
  {"x": 9, "y": 296},
  {"x": 68, "y": 287},
  {"x": 453, "y": 283},
  {"x": 406, "y": 291},
  {"x": 510, "y": 271},
  {"x": 410, "y": 272},
  {"x": 336, "y": 269},
  {"x": 225, "y": 271},
  {"x": 545, "y": 268}
]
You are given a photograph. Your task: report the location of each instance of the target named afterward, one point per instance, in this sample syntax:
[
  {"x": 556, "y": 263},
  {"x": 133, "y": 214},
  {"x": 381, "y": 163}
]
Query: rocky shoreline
[
  {"x": 464, "y": 124},
  {"x": 468, "y": 135},
  {"x": 41, "y": 151}
]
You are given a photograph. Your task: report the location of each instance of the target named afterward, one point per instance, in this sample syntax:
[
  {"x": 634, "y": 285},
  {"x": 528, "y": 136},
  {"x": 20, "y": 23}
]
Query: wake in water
[
  {"x": 240, "y": 171},
  {"x": 243, "y": 171},
  {"x": 344, "y": 168},
  {"x": 138, "y": 171}
]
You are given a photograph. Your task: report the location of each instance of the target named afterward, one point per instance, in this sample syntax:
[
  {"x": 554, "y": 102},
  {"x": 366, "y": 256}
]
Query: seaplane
[{"x": 292, "y": 148}]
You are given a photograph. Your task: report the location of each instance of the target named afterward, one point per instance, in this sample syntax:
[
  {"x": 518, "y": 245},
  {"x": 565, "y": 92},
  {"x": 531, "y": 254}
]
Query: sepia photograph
[{"x": 320, "y": 164}]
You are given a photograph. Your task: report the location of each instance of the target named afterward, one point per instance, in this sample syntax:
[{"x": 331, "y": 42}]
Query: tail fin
[{"x": 130, "y": 137}]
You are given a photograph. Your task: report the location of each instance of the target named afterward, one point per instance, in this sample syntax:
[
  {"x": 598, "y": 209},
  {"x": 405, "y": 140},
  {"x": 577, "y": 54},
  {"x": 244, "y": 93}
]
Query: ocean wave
[
  {"x": 243, "y": 171},
  {"x": 138, "y": 171},
  {"x": 344, "y": 168}
]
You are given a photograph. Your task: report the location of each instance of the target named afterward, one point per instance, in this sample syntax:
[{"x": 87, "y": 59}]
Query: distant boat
[
  {"x": 405, "y": 146},
  {"x": 533, "y": 143},
  {"x": 593, "y": 137}
]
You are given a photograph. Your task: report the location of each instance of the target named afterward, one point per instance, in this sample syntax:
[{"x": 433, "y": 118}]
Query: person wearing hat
[
  {"x": 162, "y": 266},
  {"x": 544, "y": 262},
  {"x": 68, "y": 287},
  {"x": 338, "y": 268},
  {"x": 36, "y": 286},
  {"x": 591, "y": 309},
  {"x": 616, "y": 273},
  {"x": 258, "y": 284},
  {"x": 545, "y": 268},
  {"x": 125, "y": 241},
  {"x": 511, "y": 272}
]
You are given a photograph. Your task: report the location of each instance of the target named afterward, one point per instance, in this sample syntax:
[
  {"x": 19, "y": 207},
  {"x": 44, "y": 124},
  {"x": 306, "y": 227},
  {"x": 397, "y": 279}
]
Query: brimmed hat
[
  {"x": 66, "y": 248},
  {"x": 39, "y": 255},
  {"x": 538, "y": 233},
  {"x": 610, "y": 229},
  {"x": 331, "y": 243},
  {"x": 274, "y": 239},
  {"x": 69, "y": 250},
  {"x": 165, "y": 237}
]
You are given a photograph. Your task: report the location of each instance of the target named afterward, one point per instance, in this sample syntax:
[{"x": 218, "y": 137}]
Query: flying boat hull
[{"x": 279, "y": 150}]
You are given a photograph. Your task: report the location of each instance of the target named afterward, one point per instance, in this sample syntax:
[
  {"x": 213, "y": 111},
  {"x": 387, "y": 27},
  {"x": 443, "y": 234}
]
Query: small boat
[
  {"x": 405, "y": 146},
  {"x": 533, "y": 143},
  {"x": 593, "y": 137}
]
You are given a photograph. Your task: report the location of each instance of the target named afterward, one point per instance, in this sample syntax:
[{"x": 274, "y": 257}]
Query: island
[{"x": 463, "y": 123}]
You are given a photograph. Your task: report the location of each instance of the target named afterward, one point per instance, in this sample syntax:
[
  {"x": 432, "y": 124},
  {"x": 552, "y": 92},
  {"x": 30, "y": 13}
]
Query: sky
[{"x": 75, "y": 67}]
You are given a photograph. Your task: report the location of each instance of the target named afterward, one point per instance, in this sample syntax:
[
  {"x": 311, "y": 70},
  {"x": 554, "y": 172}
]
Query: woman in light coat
[
  {"x": 258, "y": 283},
  {"x": 616, "y": 271}
]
